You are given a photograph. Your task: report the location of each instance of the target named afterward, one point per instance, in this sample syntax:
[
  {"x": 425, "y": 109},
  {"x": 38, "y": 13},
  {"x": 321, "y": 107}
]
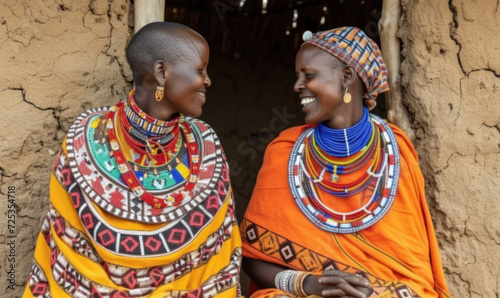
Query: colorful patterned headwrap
[{"x": 353, "y": 47}]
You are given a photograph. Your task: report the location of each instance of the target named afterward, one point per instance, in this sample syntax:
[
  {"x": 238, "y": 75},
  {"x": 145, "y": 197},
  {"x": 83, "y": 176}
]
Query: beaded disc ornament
[
  {"x": 174, "y": 198},
  {"x": 188, "y": 172},
  {"x": 382, "y": 176}
]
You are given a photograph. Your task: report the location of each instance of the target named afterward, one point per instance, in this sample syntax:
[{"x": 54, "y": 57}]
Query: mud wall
[
  {"x": 57, "y": 59},
  {"x": 451, "y": 87}
]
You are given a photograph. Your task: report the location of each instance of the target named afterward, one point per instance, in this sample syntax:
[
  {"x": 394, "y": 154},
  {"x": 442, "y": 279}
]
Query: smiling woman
[
  {"x": 352, "y": 217},
  {"x": 141, "y": 200},
  {"x": 322, "y": 81},
  {"x": 179, "y": 69}
]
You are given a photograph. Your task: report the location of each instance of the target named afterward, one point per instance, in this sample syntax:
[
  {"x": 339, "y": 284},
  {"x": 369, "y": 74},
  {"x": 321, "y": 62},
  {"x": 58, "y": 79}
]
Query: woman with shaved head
[{"x": 141, "y": 201}]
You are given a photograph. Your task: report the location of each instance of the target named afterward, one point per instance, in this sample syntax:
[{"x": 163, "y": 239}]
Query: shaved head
[{"x": 158, "y": 41}]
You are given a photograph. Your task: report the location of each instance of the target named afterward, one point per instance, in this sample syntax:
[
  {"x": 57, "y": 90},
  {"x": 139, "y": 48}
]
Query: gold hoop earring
[
  {"x": 159, "y": 93},
  {"x": 347, "y": 95}
]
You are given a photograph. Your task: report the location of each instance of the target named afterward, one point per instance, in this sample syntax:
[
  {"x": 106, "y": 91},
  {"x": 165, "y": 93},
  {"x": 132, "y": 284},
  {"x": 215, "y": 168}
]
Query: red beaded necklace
[
  {"x": 145, "y": 148},
  {"x": 174, "y": 198}
]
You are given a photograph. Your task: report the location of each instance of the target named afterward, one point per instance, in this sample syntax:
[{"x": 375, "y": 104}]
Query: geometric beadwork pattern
[
  {"x": 75, "y": 239},
  {"x": 185, "y": 221},
  {"x": 175, "y": 239},
  {"x": 77, "y": 285},
  {"x": 298, "y": 257},
  {"x": 112, "y": 195},
  {"x": 227, "y": 278},
  {"x": 139, "y": 284},
  {"x": 165, "y": 240},
  {"x": 152, "y": 277},
  {"x": 38, "y": 283},
  {"x": 383, "y": 194}
]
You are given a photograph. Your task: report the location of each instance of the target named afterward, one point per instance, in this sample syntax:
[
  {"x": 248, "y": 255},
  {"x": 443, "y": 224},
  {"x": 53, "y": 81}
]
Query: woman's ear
[
  {"x": 349, "y": 74},
  {"x": 160, "y": 72}
]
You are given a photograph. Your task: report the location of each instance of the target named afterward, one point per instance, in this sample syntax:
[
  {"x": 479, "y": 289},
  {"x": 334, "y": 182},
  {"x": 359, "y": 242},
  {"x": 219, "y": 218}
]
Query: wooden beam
[
  {"x": 390, "y": 47},
  {"x": 148, "y": 11}
]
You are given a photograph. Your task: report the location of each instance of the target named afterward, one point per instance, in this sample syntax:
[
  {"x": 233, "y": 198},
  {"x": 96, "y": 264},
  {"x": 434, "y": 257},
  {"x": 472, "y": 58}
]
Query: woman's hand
[{"x": 334, "y": 283}]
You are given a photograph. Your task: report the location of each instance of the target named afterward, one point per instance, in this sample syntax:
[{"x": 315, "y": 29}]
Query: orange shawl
[{"x": 399, "y": 254}]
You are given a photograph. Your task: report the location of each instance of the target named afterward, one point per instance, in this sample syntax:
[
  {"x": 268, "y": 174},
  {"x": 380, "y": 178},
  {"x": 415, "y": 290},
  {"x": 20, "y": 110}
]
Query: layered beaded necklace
[
  {"x": 322, "y": 155},
  {"x": 344, "y": 142},
  {"x": 128, "y": 124}
]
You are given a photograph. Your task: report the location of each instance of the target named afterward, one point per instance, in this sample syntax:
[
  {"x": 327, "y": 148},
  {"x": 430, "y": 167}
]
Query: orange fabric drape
[{"x": 399, "y": 253}]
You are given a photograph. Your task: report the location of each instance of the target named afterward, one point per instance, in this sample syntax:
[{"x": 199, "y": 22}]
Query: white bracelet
[{"x": 285, "y": 280}]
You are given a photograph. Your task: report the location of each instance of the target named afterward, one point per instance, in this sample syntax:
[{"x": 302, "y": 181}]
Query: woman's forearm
[{"x": 263, "y": 273}]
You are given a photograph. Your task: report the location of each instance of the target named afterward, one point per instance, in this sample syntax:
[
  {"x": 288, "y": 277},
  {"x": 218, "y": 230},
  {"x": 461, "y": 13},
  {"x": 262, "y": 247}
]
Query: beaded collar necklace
[
  {"x": 307, "y": 159},
  {"x": 146, "y": 151},
  {"x": 143, "y": 122},
  {"x": 344, "y": 142},
  {"x": 152, "y": 126},
  {"x": 316, "y": 156},
  {"x": 150, "y": 146}
]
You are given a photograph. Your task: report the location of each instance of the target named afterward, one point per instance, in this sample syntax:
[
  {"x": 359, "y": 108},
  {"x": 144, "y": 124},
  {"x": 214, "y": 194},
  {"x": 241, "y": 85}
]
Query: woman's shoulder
[
  {"x": 88, "y": 119},
  {"x": 288, "y": 136},
  {"x": 94, "y": 111},
  {"x": 83, "y": 118},
  {"x": 404, "y": 143},
  {"x": 293, "y": 132},
  {"x": 201, "y": 125},
  {"x": 278, "y": 151}
]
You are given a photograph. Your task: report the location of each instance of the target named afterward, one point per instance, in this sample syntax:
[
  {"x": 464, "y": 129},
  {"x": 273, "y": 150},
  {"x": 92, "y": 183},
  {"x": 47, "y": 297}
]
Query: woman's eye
[{"x": 308, "y": 75}]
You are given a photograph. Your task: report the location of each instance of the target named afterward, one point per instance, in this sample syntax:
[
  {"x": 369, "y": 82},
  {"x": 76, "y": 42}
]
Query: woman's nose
[
  {"x": 207, "y": 82},
  {"x": 299, "y": 85}
]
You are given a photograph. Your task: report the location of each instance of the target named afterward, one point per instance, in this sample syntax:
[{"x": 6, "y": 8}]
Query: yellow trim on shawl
[
  {"x": 63, "y": 202},
  {"x": 82, "y": 264},
  {"x": 90, "y": 268},
  {"x": 215, "y": 264},
  {"x": 64, "y": 146},
  {"x": 42, "y": 252}
]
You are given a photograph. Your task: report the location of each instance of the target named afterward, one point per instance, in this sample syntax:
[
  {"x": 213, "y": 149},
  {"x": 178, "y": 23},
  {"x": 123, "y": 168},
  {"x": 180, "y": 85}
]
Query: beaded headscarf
[{"x": 353, "y": 47}]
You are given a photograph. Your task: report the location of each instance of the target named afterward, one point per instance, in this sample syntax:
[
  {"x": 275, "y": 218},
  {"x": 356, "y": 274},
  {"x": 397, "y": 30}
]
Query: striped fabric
[{"x": 353, "y": 47}]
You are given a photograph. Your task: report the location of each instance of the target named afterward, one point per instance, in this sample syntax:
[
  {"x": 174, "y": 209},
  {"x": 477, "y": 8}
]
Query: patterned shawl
[{"x": 100, "y": 240}]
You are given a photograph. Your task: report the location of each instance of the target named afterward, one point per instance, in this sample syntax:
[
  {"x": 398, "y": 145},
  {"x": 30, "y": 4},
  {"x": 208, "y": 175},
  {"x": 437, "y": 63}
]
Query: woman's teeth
[{"x": 307, "y": 100}]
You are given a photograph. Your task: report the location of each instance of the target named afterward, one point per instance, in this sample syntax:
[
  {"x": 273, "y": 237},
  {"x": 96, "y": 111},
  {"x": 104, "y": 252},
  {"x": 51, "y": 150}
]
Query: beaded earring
[
  {"x": 159, "y": 93},
  {"x": 347, "y": 95}
]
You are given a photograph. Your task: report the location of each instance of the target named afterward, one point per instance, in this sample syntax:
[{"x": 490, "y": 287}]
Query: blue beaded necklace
[
  {"x": 344, "y": 142},
  {"x": 382, "y": 183}
]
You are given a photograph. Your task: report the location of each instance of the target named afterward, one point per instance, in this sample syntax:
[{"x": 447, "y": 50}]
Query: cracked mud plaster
[
  {"x": 451, "y": 83},
  {"x": 58, "y": 58}
]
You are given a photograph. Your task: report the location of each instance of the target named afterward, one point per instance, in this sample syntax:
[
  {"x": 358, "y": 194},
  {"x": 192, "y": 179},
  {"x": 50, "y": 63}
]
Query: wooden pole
[
  {"x": 390, "y": 47},
  {"x": 148, "y": 11}
]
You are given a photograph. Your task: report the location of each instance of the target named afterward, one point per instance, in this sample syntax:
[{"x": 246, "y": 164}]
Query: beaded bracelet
[
  {"x": 284, "y": 280},
  {"x": 299, "y": 284},
  {"x": 292, "y": 282}
]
